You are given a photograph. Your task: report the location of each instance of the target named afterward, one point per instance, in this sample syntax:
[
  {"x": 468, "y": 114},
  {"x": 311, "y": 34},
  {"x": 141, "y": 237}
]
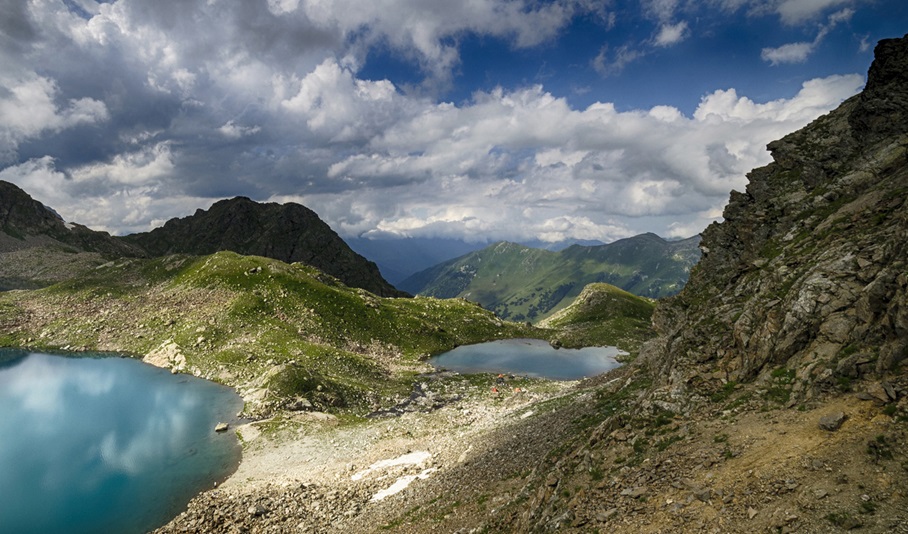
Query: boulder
[{"x": 832, "y": 422}]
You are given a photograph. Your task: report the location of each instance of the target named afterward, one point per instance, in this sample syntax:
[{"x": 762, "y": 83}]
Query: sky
[{"x": 479, "y": 120}]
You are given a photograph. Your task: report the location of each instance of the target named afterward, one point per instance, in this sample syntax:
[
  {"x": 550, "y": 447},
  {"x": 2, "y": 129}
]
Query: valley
[
  {"x": 528, "y": 284},
  {"x": 769, "y": 395}
]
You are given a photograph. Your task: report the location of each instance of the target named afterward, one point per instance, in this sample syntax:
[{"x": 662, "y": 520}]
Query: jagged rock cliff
[{"x": 809, "y": 270}]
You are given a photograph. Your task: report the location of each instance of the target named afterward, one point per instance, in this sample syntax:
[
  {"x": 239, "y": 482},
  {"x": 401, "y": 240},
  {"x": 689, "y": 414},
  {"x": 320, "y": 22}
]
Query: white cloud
[
  {"x": 29, "y": 108},
  {"x": 663, "y": 10},
  {"x": 790, "y": 12},
  {"x": 799, "y": 52},
  {"x": 788, "y": 53},
  {"x": 423, "y": 28},
  {"x": 671, "y": 34},
  {"x": 231, "y": 130},
  {"x": 130, "y": 194},
  {"x": 191, "y": 96},
  {"x": 497, "y": 166},
  {"x": 798, "y": 11},
  {"x": 612, "y": 64},
  {"x": 148, "y": 166},
  {"x": 337, "y": 104},
  {"x": 494, "y": 167}
]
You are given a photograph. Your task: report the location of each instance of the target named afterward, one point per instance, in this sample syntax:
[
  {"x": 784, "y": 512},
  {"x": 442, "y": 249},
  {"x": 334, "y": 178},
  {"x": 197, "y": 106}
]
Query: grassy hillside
[
  {"x": 274, "y": 330},
  {"x": 604, "y": 315},
  {"x": 526, "y": 284}
]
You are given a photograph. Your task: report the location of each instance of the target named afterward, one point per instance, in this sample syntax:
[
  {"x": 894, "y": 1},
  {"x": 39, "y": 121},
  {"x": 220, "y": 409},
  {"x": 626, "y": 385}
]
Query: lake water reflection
[
  {"x": 91, "y": 444},
  {"x": 530, "y": 357}
]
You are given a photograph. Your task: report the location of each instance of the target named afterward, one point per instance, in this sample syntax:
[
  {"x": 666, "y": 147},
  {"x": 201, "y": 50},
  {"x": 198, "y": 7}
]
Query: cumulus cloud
[
  {"x": 788, "y": 53},
  {"x": 30, "y": 108},
  {"x": 143, "y": 111},
  {"x": 426, "y": 29},
  {"x": 496, "y": 166}
]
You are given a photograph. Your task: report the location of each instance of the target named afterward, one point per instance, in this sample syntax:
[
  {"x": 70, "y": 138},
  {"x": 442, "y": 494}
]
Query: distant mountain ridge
[
  {"x": 399, "y": 258},
  {"x": 523, "y": 283},
  {"x": 38, "y": 248}
]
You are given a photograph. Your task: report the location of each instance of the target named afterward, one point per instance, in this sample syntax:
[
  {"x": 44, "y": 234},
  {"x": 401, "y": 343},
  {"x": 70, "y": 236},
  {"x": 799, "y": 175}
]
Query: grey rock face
[{"x": 809, "y": 270}]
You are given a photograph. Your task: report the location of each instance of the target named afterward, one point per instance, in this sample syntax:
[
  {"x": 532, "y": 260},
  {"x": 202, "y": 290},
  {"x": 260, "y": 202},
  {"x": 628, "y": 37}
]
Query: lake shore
[
  {"x": 507, "y": 461},
  {"x": 353, "y": 475}
]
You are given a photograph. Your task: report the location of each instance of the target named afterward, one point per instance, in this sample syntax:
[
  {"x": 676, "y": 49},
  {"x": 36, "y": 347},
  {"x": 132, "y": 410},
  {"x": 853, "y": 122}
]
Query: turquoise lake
[
  {"x": 94, "y": 444},
  {"x": 530, "y": 357}
]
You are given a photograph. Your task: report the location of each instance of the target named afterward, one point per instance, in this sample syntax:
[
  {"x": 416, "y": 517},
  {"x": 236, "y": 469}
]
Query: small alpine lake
[
  {"x": 531, "y": 357},
  {"x": 96, "y": 443}
]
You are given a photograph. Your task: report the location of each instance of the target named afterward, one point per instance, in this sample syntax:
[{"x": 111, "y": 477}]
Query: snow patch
[
  {"x": 413, "y": 458},
  {"x": 401, "y": 484}
]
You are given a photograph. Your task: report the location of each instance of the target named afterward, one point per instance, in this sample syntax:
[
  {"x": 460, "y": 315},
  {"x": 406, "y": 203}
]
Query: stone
[
  {"x": 168, "y": 356},
  {"x": 703, "y": 494},
  {"x": 221, "y": 427},
  {"x": 257, "y": 510},
  {"x": 877, "y": 392},
  {"x": 299, "y": 404},
  {"x": 834, "y": 187},
  {"x": 634, "y": 493},
  {"x": 832, "y": 422},
  {"x": 602, "y": 517}
]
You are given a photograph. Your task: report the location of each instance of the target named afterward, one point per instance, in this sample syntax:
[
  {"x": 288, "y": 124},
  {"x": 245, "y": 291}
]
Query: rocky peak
[
  {"x": 287, "y": 232},
  {"x": 881, "y": 108},
  {"x": 808, "y": 274},
  {"x": 28, "y": 223},
  {"x": 21, "y": 215}
]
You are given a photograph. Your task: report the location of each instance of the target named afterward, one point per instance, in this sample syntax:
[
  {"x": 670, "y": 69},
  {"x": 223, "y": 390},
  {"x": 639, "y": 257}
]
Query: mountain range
[
  {"x": 526, "y": 284},
  {"x": 38, "y": 248},
  {"x": 399, "y": 258},
  {"x": 771, "y": 397}
]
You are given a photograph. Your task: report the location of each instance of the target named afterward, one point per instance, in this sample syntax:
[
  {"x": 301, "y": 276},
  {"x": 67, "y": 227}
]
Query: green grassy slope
[
  {"x": 525, "y": 284},
  {"x": 604, "y": 315},
  {"x": 273, "y": 330}
]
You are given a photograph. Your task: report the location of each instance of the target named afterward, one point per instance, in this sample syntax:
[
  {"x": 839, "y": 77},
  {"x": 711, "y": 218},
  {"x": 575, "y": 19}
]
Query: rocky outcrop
[
  {"x": 287, "y": 232},
  {"x": 807, "y": 276},
  {"x": 25, "y": 222},
  {"x": 38, "y": 248}
]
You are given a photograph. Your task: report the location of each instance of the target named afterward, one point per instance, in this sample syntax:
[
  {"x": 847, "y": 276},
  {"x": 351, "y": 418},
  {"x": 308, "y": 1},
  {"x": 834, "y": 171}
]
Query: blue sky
[{"x": 487, "y": 120}]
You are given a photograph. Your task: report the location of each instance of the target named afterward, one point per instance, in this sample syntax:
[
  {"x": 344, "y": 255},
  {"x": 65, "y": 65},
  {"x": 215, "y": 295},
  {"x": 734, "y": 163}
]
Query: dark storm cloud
[{"x": 17, "y": 30}]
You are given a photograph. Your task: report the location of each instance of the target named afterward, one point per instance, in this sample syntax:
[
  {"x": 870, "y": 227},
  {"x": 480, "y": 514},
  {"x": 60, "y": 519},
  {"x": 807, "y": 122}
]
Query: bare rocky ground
[{"x": 591, "y": 456}]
